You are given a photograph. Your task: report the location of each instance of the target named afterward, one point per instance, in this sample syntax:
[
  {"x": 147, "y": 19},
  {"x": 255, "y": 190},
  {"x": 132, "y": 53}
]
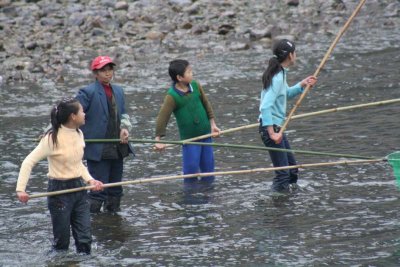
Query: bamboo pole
[
  {"x": 150, "y": 141},
  {"x": 321, "y": 112},
  {"x": 182, "y": 176},
  {"x": 308, "y": 87}
]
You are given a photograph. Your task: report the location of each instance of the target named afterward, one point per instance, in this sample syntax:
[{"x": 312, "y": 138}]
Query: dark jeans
[
  {"x": 68, "y": 211},
  {"x": 107, "y": 171},
  {"x": 279, "y": 159}
]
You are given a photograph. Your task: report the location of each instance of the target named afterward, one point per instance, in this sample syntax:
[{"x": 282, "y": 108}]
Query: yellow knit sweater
[{"x": 65, "y": 159}]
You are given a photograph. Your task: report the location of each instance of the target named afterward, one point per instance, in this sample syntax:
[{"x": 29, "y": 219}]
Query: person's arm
[
  {"x": 206, "y": 103},
  {"x": 125, "y": 124},
  {"x": 299, "y": 87},
  {"x": 40, "y": 152},
  {"x": 89, "y": 179},
  {"x": 210, "y": 113},
  {"x": 162, "y": 119}
]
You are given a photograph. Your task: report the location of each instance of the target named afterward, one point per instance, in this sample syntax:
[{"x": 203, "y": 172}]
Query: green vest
[{"x": 190, "y": 114}]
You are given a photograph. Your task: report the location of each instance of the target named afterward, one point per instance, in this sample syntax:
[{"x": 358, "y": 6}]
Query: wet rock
[
  {"x": 98, "y": 32},
  {"x": 292, "y": 2},
  {"x": 239, "y": 46},
  {"x": 4, "y": 3},
  {"x": 225, "y": 28},
  {"x": 154, "y": 35},
  {"x": 392, "y": 10},
  {"x": 193, "y": 9},
  {"x": 199, "y": 29},
  {"x": 147, "y": 19},
  {"x": 180, "y": 2},
  {"x": 256, "y": 34},
  {"x": 338, "y": 5},
  {"x": 51, "y": 22},
  {"x": 130, "y": 28},
  {"x": 228, "y": 14},
  {"x": 121, "y": 5},
  {"x": 107, "y": 3},
  {"x": 120, "y": 17},
  {"x": 288, "y": 37},
  {"x": 187, "y": 25},
  {"x": 31, "y": 45},
  {"x": 76, "y": 19},
  {"x": 132, "y": 14},
  {"x": 167, "y": 28}
]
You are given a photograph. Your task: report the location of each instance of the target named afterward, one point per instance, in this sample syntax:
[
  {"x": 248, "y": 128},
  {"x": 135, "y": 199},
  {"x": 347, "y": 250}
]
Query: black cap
[{"x": 282, "y": 48}]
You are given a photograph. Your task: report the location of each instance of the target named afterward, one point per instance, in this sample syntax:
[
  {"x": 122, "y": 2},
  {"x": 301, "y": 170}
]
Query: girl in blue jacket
[{"x": 273, "y": 111}]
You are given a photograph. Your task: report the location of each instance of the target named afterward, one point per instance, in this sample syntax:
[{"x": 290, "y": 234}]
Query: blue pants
[
  {"x": 70, "y": 211},
  {"x": 197, "y": 158},
  {"x": 107, "y": 171},
  {"x": 279, "y": 159}
]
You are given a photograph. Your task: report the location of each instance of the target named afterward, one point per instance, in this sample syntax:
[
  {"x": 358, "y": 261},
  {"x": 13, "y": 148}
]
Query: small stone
[
  {"x": 154, "y": 35},
  {"x": 121, "y": 5},
  {"x": 293, "y": 2},
  {"x": 31, "y": 45},
  {"x": 225, "y": 28}
]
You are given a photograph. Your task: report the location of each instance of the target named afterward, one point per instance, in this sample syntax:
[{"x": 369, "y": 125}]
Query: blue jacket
[
  {"x": 94, "y": 102},
  {"x": 273, "y": 99}
]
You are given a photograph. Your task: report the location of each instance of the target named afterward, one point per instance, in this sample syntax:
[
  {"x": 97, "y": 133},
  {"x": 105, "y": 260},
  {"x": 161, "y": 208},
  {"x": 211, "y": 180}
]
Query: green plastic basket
[{"x": 394, "y": 161}]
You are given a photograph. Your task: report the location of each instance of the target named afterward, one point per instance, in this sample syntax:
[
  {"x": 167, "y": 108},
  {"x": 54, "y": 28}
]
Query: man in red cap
[{"x": 104, "y": 106}]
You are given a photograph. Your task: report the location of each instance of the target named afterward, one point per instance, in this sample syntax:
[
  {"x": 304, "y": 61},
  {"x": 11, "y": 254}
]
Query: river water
[{"x": 343, "y": 216}]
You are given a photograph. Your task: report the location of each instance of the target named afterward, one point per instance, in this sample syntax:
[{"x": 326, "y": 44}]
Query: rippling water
[{"x": 344, "y": 215}]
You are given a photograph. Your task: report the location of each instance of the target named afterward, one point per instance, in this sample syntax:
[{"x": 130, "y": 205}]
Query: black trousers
[
  {"x": 280, "y": 159},
  {"x": 70, "y": 212}
]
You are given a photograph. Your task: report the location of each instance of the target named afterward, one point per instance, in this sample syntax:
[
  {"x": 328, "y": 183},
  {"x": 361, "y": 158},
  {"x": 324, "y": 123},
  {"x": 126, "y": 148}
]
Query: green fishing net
[{"x": 394, "y": 161}]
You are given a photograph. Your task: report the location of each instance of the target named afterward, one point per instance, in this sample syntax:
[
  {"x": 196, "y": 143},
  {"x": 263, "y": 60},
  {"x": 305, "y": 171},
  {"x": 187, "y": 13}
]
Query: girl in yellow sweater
[{"x": 63, "y": 147}]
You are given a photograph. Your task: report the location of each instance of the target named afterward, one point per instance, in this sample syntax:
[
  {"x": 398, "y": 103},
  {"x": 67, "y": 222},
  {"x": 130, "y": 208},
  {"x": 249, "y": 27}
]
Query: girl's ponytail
[
  {"x": 274, "y": 66},
  {"x": 55, "y": 124},
  {"x": 60, "y": 114}
]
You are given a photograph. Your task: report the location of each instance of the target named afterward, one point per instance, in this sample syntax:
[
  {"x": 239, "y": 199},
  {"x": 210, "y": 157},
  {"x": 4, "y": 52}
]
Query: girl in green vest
[{"x": 194, "y": 116}]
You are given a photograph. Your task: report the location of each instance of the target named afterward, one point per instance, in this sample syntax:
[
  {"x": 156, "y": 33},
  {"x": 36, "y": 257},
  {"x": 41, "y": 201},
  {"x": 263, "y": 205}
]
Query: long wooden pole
[
  {"x": 321, "y": 112},
  {"x": 151, "y": 141},
  {"x": 174, "y": 177},
  {"x": 339, "y": 35}
]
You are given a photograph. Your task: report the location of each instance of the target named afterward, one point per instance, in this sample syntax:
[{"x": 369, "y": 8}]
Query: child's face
[
  {"x": 105, "y": 74},
  {"x": 78, "y": 118},
  {"x": 187, "y": 76},
  {"x": 292, "y": 57}
]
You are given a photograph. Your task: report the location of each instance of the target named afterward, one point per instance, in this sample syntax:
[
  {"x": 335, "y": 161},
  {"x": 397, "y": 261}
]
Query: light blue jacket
[
  {"x": 274, "y": 98},
  {"x": 94, "y": 102}
]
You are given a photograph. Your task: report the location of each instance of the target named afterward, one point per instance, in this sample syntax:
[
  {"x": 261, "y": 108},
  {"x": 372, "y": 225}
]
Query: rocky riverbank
[{"x": 41, "y": 39}]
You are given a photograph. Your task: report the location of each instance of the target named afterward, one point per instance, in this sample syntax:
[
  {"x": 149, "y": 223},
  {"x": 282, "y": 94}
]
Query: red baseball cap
[{"x": 100, "y": 62}]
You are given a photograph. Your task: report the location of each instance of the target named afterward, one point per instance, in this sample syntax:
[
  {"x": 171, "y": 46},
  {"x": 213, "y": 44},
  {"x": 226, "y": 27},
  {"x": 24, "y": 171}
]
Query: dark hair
[
  {"x": 281, "y": 51},
  {"x": 112, "y": 66},
  {"x": 60, "y": 115},
  {"x": 177, "y": 67}
]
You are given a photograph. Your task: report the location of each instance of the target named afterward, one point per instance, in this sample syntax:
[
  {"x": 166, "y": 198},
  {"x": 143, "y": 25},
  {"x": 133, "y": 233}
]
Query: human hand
[
  {"x": 276, "y": 137},
  {"x": 98, "y": 185},
  {"x": 23, "y": 197},
  {"x": 159, "y": 147},
  {"x": 215, "y": 131},
  {"x": 309, "y": 81},
  {"x": 124, "y": 135}
]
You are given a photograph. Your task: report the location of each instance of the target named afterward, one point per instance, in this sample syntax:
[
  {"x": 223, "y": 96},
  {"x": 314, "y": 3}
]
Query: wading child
[
  {"x": 194, "y": 116},
  {"x": 273, "y": 111},
  {"x": 104, "y": 105},
  {"x": 63, "y": 146}
]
